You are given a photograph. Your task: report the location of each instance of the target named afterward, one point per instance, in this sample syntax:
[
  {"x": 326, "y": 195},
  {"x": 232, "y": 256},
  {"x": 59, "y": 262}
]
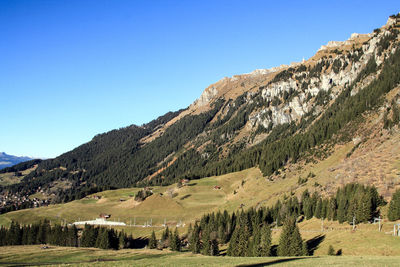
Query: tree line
[
  {"x": 248, "y": 233},
  {"x": 44, "y": 233},
  {"x": 39, "y": 233}
]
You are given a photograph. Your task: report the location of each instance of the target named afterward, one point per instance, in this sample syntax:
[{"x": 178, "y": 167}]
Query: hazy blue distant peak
[{"x": 10, "y": 160}]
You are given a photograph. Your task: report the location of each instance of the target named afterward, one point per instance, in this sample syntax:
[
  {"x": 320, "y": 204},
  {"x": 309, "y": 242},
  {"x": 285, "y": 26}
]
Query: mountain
[
  {"x": 9, "y": 160},
  {"x": 271, "y": 119}
]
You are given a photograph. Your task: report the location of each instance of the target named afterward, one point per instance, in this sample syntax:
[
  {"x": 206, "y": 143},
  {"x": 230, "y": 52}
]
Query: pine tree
[
  {"x": 44, "y": 230},
  {"x": 32, "y": 235},
  {"x": 290, "y": 242},
  {"x": 266, "y": 241},
  {"x": 190, "y": 230},
  {"x": 244, "y": 235},
  {"x": 14, "y": 234},
  {"x": 306, "y": 201},
  {"x": 73, "y": 236},
  {"x": 121, "y": 240},
  {"x": 324, "y": 211},
  {"x": 394, "y": 206},
  {"x": 332, "y": 210},
  {"x": 165, "y": 238},
  {"x": 239, "y": 244},
  {"x": 194, "y": 241},
  {"x": 341, "y": 210},
  {"x": 153, "y": 241},
  {"x": 255, "y": 244},
  {"x": 103, "y": 239},
  {"x": 318, "y": 209},
  {"x": 56, "y": 237},
  {"x": 214, "y": 250},
  {"x": 221, "y": 232},
  {"x": 113, "y": 239},
  {"x": 175, "y": 241},
  {"x": 3, "y": 235},
  {"x": 206, "y": 249},
  {"x": 89, "y": 236},
  {"x": 305, "y": 250},
  {"x": 365, "y": 212},
  {"x": 331, "y": 251},
  {"x": 233, "y": 244},
  {"x": 25, "y": 233}
]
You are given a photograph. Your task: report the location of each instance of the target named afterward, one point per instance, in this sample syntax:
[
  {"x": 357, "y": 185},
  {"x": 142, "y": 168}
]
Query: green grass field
[{"x": 34, "y": 255}]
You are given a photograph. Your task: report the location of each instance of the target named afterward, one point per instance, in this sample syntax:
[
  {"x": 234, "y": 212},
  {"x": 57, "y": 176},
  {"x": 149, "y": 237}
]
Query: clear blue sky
[{"x": 72, "y": 69}]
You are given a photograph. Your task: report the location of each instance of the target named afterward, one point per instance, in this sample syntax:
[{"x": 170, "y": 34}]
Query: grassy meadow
[
  {"x": 55, "y": 256},
  {"x": 10, "y": 178}
]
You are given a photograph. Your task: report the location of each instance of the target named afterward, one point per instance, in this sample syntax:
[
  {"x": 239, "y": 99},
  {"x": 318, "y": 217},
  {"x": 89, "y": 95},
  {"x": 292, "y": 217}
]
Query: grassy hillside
[
  {"x": 9, "y": 178},
  {"x": 34, "y": 255},
  {"x": 249, "y": 189}
]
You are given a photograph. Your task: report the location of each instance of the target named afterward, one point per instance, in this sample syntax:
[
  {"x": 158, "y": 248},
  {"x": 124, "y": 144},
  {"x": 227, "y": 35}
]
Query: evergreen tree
[
  {"x": 214, "y": 250},
  {"x": 290, "y": 242},
  {"x": 394, "y": 206},
  {"x": 44, "y": 230},
  {"x": 3, "y": 236},
  {"x": 121, "y": 240},
  {"x": 307, "y": 203},
  {"x": 14, "y": 236},
  {"x": 113, "y": 239},
  {"x": 239, "y": 244},
  {"x": 56, "y": 236},
  {"x": 25, "y": 233},
  {"x": 331, "y": 251},
  {"x": 190, "y": 230},
  {"x": 89, "y": 236},
  {"x": 255, "y": 244},
  {"x": 318, "y": 209},
  {"x": 206, "y": 241},
  {"x": 332, "y": 210},
  {"x": 194, "y": 241},
  {"x": 324, "y": 210},
  {"x": 32, "y": 235},
  {"x": 175, "y": 241},
  {"x": 342, "y": 209},
  {"x": 103, "y": 239},
  {"x": 153, "y": 241},
  {"x": 233, "y": 244},
  {"x": 72, "y": 239},
  {"x": 266, "y": 241},
  {"x": 165, "y": 238}
]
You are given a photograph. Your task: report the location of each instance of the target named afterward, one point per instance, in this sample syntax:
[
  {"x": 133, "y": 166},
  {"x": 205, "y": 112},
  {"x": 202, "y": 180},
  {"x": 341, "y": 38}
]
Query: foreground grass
[{"x": 34, "y": 255}]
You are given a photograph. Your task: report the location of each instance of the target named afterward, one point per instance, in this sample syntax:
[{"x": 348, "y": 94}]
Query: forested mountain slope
[{"x": 267, "y": 118}]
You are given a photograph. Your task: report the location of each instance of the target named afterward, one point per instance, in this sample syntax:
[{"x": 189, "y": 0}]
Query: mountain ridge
[
  {"x": 266, "y": 118},
  {"x": 7, "y": 160}
]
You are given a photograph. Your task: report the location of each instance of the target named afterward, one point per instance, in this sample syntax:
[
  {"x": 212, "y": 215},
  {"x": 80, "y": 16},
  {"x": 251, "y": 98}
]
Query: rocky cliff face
[{"x": 286, "y": 94}]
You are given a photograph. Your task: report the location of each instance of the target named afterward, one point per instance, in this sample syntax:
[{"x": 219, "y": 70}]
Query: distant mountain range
[{"x": 10, "y": 160}]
